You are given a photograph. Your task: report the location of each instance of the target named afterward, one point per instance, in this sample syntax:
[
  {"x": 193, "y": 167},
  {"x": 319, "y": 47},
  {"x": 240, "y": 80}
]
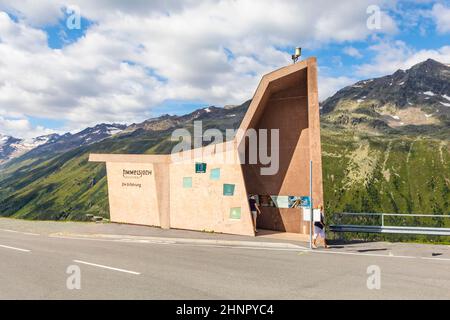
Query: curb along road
[{"x": 167, "y": 240}]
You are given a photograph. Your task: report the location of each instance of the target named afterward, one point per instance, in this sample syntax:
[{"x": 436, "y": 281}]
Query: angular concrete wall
[
  {"x": 134, "y": 194},
  {"x": 286, "y": 99},
  {"x": 204, "y": 207}
]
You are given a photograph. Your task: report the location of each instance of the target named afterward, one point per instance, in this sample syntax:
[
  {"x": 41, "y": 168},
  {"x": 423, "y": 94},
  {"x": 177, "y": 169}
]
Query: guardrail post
[{"x": 382, "y": 220}]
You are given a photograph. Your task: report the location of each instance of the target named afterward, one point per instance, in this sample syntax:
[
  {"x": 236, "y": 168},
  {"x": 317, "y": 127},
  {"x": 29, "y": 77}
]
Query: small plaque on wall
[
  {"x": 200, "y": 167},
  {"x": 235, "y": 213},
  {"x": 228, "y": 189}
]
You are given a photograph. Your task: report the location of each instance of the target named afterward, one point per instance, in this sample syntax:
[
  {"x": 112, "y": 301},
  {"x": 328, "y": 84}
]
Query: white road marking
[
  {"x": 169, "y": 242},
  {"x": 241, "y": 247},
  {"x": 113, "y": 240},
  {"x": 364, "y": 254},
  {"x": 432, "y": 258},
  {"x": 14, "y": 231},
  {"x": 143, "y": 241},
  {"x": 14, "y": 248},
  {"x": 7, "y": 230},
  {"x": 106, "y": 267},
  {"x": 31, "y": 234}
]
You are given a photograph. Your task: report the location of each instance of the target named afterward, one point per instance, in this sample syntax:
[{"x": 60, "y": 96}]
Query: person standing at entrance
[
  {"x": 254, "y": 209},
  {"x": 319, "y": 229}
]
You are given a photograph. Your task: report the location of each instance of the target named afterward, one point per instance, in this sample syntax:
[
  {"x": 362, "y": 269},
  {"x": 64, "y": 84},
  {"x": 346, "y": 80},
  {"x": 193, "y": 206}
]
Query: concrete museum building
[{"x": 193, "y": 190}]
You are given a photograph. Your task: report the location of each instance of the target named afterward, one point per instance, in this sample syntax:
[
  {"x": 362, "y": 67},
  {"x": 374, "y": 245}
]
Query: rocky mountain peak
[
  {"x": 429, "y": 65},
  {"x": 417, "y": 96}
]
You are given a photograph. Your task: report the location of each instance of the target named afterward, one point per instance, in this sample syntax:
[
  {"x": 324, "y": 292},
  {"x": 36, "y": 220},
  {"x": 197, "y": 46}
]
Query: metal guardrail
[{"x": 383, "y": 228}]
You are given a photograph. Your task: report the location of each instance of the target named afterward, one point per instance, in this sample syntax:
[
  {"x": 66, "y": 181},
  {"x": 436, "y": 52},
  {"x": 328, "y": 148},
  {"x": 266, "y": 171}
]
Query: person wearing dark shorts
[{"x": 254, "y": 209}]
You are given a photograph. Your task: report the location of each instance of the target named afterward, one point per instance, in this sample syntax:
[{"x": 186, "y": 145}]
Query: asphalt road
[{"x": 34, "y": 265}]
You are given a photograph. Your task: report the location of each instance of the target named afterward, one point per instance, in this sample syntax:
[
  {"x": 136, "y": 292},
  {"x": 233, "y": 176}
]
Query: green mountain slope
[{"x": 390, "y": 174}]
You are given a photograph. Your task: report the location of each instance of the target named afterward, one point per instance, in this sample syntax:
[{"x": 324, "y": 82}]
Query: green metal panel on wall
[
  {"x": 200, "y": 167},
  {"x": 235, "y": 213},
  {"x": 187, "y": 182},
  {"x": 228, "y": 189},
  {"x": 215, "y": 174}
]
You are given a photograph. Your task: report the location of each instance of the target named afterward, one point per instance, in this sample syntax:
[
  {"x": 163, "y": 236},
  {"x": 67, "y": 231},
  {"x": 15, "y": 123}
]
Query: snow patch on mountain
[{"x": 11, "y": 147}]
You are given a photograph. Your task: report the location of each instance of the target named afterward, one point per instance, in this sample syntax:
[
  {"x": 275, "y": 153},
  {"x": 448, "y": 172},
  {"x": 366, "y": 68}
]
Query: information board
[{"x": 200, "y": 167}]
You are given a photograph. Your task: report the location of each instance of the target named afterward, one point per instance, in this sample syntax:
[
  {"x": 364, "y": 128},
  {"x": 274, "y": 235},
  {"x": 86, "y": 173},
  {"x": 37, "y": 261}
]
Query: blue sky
[
  {"x": 59, "y": 35},
  {"x": 129, "y": 61}
]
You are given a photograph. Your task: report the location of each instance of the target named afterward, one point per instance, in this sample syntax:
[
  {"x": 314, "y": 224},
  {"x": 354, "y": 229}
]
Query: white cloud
[
  {"x": 21, "y": 37},
  {"x": 330, "y": 85},
  {"x": 214, "y": 51},
  {"x": 34, "y": 12},
  {"x": 391, "y": 56},
  {"x": 441, "y": 16},
  {"x": 21, "y": 128},
  {"x": 352, "y": 52}
]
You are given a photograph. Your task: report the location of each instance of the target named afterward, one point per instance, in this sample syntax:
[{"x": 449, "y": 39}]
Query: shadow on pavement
[{"x": 368, "y": 250}]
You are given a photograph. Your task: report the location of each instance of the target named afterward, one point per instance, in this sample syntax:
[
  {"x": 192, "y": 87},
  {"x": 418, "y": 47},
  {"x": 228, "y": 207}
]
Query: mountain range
[
  {"x": 385, "y": 142},
  {"x": 416, "y": 97},
  {"x": 11, "y": 147}
]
